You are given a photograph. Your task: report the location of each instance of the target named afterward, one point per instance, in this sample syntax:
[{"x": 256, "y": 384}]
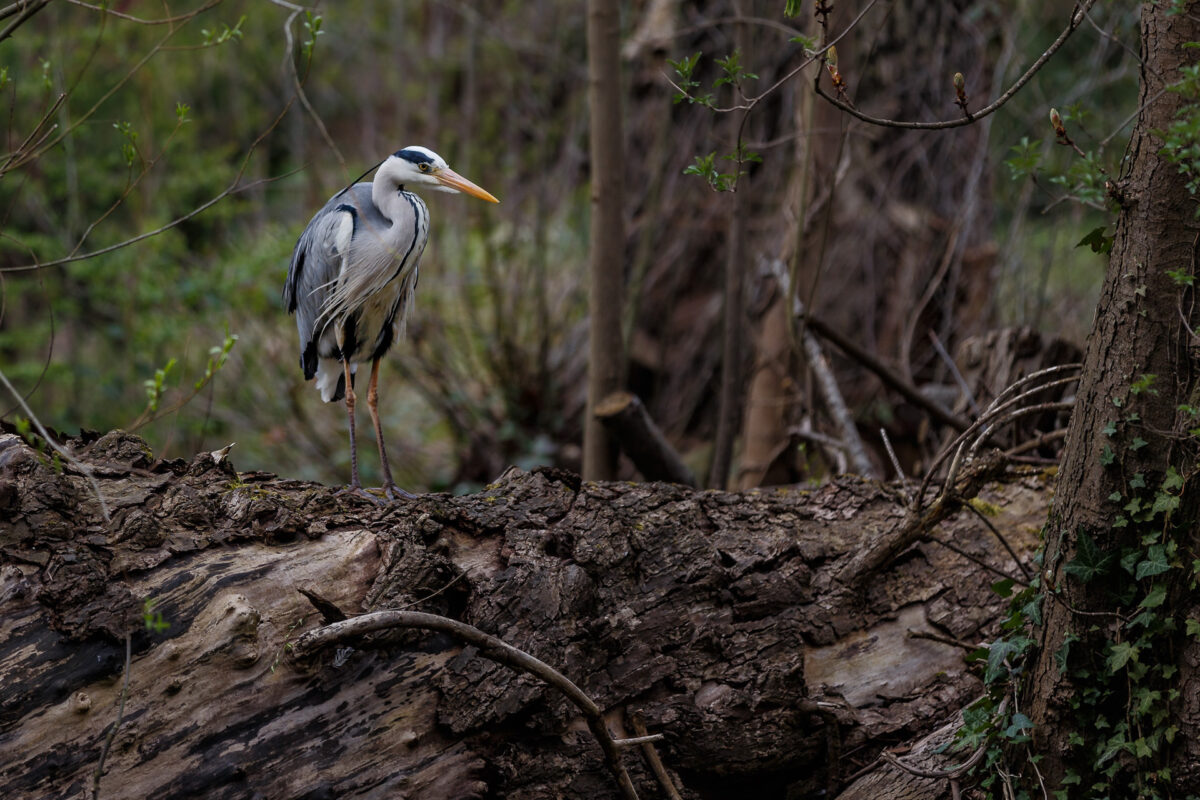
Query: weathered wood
[
  {"x": 709, "y": 615},
  {"x": 640, "y": 439}
]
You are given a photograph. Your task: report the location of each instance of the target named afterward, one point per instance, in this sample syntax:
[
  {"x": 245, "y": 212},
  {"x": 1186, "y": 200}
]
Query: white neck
[{"x": 388, "y": 199}]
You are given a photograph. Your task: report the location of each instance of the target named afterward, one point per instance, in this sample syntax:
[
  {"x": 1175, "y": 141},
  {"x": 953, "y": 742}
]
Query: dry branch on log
[
  {"x": 720, "y": 620},
  {"x": 625, "y": 415}
]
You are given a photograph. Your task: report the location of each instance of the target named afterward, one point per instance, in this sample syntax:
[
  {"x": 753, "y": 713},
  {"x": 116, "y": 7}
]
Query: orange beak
[{"x": 448, "y": 177}]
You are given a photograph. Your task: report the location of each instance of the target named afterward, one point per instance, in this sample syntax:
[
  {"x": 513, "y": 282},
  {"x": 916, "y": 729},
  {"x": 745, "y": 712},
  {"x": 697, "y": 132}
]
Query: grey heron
[{"x": 353, "y": 275}]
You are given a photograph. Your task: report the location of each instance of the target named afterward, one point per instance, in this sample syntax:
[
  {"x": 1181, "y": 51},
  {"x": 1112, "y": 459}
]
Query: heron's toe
[
  {"x": 359, "y": 491},
  {"x": 393, "y": 492}
]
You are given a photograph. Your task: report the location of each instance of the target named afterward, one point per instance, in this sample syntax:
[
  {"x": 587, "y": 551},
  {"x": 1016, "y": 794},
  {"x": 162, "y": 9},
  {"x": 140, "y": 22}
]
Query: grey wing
[{"x": 316, "y": 263}]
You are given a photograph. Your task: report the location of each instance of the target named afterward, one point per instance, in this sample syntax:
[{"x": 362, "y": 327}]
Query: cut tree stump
[{"x": 715, "y": 619}]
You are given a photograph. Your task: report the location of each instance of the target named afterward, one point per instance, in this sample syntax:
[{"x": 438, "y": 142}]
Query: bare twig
[
  {"x": 954, "y": 772},
  {"x": 996, "y": 532},
  {"x": 889, "y": 376},
  {"x": 489, "y": 646},
  {"x": 933, "y": 636},
  {"x": 1038, "y": 441},
  {"x": 656, "y": 764},
  {"x": 837, "y": 406},
  {"x": 1077, "y": 17},
  {"x": 1001, "y": 403},
  {"x": 24, "y": 11},
  {"x": 976, "y": 560},
  {"x": 834, "y": 402},
  {"x": 887, "y": 443},
  {"x": 958, "y": 376}
]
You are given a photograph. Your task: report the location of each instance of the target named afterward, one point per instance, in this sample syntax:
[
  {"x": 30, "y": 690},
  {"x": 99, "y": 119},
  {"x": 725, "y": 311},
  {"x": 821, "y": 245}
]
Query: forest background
[{"x": 116, "y": 128}]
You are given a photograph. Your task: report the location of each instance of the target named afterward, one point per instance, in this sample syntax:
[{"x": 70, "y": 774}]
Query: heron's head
[{"x": 420, "y": 166}]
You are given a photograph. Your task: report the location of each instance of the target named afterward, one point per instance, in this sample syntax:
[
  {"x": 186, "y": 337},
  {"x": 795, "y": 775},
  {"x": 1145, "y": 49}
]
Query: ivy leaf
[
  {"x": 1107, "y": 457},
  {"x": 1020, "y": 723},
  {"x": 1173, "y": 481},
  {"x": 1122, "y": 653},
  {"x": 1097, "y": 241},
  {"x": 1003, "y": 587},
  {"x": 1165, "y": 503},
  {"x": 1138, "y": 443},
  {"x": 1158, "y": 594},
  {"x": 1000, "y": 650},
  {"x": 1155, "y": 563},
  {"x": 1064, "y": 651},
  {"x": 1090, "y": 561},
  {"x": 1192, "y": 626}
]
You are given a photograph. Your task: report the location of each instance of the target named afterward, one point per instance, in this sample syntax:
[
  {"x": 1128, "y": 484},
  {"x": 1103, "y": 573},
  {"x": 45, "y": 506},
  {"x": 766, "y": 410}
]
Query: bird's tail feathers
[{"x": 331, "y": 379}]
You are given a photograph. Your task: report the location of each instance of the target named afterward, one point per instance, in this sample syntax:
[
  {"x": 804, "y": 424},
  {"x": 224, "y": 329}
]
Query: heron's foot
[
  {"x": 393, "y": 492},
  {"x": 359, "y": 491}
]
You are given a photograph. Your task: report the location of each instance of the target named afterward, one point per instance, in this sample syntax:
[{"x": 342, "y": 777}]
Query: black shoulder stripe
[{"x": 353, "y": 212}]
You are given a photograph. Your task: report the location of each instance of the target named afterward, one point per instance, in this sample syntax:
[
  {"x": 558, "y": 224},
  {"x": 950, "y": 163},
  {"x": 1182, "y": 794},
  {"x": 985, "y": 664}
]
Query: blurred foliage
[{"x": 160, "y": 119}]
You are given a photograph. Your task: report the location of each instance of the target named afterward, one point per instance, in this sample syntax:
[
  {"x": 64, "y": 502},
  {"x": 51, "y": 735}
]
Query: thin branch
[
  {"x": 976, "y": 559},
  {"x": 996, "y": 532},
  {"x": 834, "y": 402},
  {"x": 887, "y": 443},
  {"x": 958, "y": 376},
  {"x": 233, "y": 188},
  {"x": 26, "y": 9},
  {"x": 1077, "y": 16},
  {"x": 1001, "y": 403},
  {"x": 656, "y": 764},
  {"x": 130, "y": 17},
  {"x": 297, "y": 84},
  {"x": 490, "y": 647},
  {"x": 954, "y": 772},
  {"x": 889, "y": 376}
]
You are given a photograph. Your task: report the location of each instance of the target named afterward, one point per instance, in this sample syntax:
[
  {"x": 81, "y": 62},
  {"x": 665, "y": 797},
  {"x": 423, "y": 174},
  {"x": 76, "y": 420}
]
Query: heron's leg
[
  {"x": 389, "y": 486},
  {"x": 350, "y": 400}
]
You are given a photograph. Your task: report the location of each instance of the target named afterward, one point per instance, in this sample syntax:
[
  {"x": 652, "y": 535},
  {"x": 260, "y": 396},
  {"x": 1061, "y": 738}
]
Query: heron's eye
[{"x": 423, "y": 166}]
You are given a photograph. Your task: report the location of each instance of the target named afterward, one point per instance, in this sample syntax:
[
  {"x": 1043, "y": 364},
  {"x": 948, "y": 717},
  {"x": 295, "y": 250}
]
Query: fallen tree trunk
[{"x": 715, "y": 619}]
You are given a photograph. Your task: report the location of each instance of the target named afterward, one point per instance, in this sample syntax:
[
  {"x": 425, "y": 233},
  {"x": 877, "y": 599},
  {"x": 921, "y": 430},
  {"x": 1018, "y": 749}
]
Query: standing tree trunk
[
  {"x": 606, "y": 352},
  {"x": 1113, "y": 646}
]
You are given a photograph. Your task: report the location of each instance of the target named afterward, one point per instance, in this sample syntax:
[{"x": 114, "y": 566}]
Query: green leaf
[
  {"x": 1090, "y": 561},
  {"x": 1064, "y": 651},
  {"x": 1155, "y": 563},
  {"x": 1003, "y": 587},
  {"x": 1192, "y": 626},
  {"x": 1164, "y": 503},
  {"x": 791, "y": 8},
  {"x": 1138, "y": 443},
  {"x": 1019, "y": 724},
  {"x": 1000, "y": 651},
  {"x": 1120, "y": 655},
  {"x": 1156, "y": 597},
  {"x": 1097, "y": 241},
  {"x": 1173, "y": 481}
]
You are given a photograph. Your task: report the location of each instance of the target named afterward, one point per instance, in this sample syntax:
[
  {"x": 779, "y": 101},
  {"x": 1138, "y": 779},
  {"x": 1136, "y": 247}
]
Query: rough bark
[
  {"x": 717, "y": 618},
  {"x": 1140, "y": 329}
]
